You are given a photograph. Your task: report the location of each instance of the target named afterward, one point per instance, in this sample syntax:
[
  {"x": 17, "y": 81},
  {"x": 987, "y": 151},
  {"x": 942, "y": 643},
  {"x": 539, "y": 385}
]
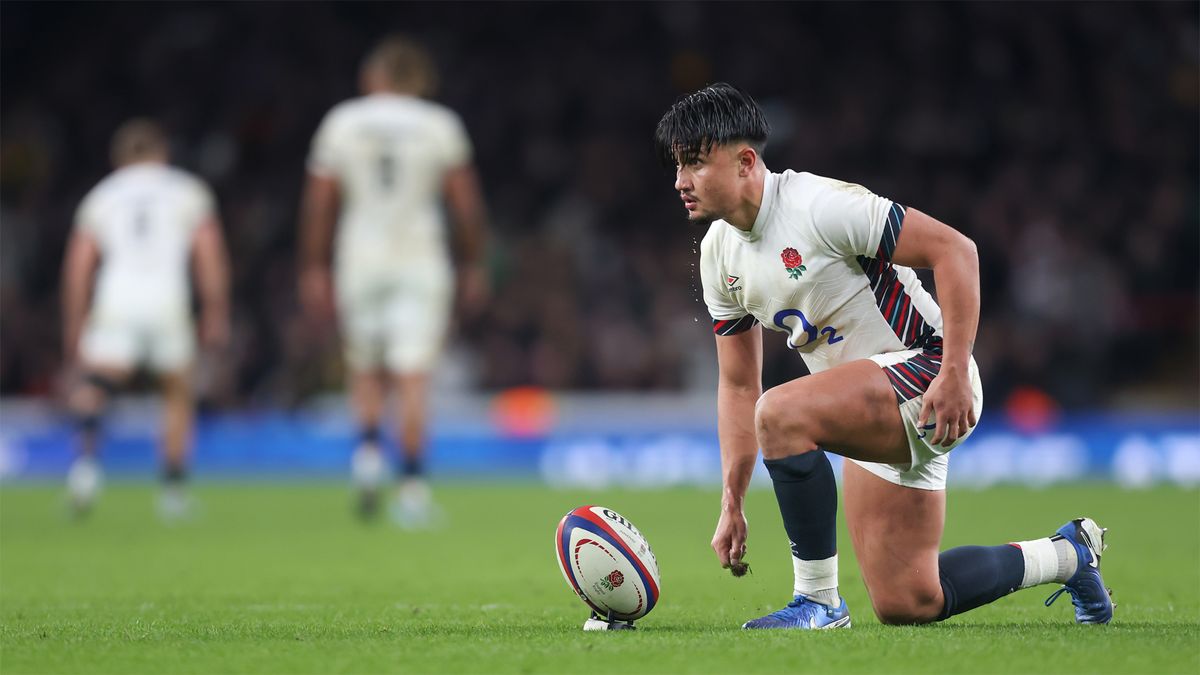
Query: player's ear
[{"x": 747, "y": 159}]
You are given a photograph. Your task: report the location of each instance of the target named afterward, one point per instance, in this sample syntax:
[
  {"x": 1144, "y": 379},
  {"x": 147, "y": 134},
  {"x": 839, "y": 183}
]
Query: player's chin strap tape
[
  {"x": 102, "y": 383},
  {"x": 733, "y": 326}
]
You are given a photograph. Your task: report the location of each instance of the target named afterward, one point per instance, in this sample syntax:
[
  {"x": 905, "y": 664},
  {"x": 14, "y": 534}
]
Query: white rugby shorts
[
  {"x": 910, "y": 372},
  {"x": 399, "y": 326},
  {"x": 161, "y": 345}
]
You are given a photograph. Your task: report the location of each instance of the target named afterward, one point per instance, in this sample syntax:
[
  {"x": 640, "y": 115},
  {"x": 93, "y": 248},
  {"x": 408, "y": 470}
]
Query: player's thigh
[
  {"x": 850, "y": 410},
  {"x": 897, "y": 534}
]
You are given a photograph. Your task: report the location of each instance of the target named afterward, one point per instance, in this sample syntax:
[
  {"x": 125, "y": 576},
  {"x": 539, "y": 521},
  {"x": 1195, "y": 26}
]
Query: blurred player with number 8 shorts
[
  {"x": 893, "y": 388},
  {"x": 380, "y": 168}
]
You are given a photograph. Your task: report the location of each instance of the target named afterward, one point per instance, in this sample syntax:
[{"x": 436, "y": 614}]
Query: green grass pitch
[{"x": 280, "y": 577}]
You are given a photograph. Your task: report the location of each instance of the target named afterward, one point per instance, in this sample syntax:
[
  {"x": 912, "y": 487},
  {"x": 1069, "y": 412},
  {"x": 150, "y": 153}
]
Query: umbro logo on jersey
[{"x": 731, "y": 282}]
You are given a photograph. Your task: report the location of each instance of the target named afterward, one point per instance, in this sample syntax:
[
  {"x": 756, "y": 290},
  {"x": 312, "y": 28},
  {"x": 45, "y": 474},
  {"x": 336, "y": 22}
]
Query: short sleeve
[
  {"x": 728, "y": 316},
  {"x": 86, "y": 217},
  {"x": 852, "y": 221},
  {"x": 326, "y": 156},
  {"x": 458, "y": 143}
]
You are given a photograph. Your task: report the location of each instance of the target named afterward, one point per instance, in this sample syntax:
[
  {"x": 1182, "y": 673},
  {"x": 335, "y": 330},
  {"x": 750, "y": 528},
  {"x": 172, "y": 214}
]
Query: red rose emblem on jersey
[
  {"x": 616, "y": 578},
  {"x": 793, "y": 263}
]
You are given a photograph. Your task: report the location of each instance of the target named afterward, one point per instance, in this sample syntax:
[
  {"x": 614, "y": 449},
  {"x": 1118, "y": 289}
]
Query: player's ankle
[
  {"x": 1047, "y": 560},
  {"x": 817, "y": 579},
  {"x": 825, "y": 596}
]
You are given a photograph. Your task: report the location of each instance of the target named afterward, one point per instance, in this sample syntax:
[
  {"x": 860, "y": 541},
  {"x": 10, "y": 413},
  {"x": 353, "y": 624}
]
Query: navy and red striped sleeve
[
  {"x": 891, "y": 232},
  {"x": 733, "y": 326}
]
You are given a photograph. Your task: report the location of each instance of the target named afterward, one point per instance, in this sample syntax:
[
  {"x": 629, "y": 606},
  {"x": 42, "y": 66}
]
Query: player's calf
[
  {"x": 972, "y": 576},
  {"x": 85, "y": 476}
]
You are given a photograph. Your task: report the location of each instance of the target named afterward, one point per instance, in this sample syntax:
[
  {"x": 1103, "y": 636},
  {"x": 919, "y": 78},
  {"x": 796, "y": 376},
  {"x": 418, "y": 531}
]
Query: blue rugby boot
[
  {"x": 804, "y": 614},
  {"x": 1092, "y": 599}
]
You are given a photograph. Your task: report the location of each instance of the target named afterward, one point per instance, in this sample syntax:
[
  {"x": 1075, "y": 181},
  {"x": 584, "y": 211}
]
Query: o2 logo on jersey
[{"x": 811, "y": 332}]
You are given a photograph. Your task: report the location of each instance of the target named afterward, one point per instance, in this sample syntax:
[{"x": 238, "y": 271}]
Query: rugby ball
[{"x": 607, "y": 562}]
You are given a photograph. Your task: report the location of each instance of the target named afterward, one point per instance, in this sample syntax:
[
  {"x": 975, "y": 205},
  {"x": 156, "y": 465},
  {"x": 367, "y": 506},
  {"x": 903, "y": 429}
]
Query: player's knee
[
  {"x": 903, "y": 609},
  {"x": 781, "y": 430},
  {"x": 91, "y": 397}
]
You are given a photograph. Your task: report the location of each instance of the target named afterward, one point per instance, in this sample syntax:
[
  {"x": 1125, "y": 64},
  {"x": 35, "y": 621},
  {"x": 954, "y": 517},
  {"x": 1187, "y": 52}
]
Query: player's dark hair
[{"x": 717, "y": 114}]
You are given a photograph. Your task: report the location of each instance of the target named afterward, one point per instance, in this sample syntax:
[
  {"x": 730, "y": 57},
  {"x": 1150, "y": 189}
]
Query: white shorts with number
[
  {"x": 399, "y": 326},
  {"x": 910, "y": 372},
  {"x": 160, "y": 345}
]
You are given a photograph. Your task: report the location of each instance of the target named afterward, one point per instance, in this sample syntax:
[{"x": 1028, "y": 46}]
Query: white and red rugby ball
[{"x": 607, "y": 562}]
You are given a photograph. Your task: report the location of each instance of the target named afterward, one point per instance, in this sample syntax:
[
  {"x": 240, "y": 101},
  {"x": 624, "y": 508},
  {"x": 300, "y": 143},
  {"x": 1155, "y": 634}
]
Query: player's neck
[{"x": 745, "y": 213}]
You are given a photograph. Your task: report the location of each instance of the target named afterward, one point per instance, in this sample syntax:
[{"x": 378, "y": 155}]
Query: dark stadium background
[{"x": 1061, "y": 137}]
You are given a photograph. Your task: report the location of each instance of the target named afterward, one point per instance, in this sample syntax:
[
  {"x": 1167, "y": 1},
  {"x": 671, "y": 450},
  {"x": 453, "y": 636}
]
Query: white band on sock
[
  {"x": 814, "y": 576},
  {"x": 1041, "y": 561}
]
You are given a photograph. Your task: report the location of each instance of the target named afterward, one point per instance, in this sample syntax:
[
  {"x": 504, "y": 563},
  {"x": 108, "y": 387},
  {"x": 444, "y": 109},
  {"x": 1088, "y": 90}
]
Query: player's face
[{"x": 707, "y": 184}]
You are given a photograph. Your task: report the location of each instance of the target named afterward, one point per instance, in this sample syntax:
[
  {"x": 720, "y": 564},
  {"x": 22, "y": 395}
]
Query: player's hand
[
  {"x": 729, "y": 541},
  {"x": 949, "y": 400},
  {"x": 316, "y": 293},
  {"x": 474, "y": 289}
]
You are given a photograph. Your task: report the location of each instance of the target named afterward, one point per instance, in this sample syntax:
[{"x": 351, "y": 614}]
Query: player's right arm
[
  {"x": 739, "y": 386},
  {"x": 79, "y": 268},
  {"x": 318, "y": 215}
]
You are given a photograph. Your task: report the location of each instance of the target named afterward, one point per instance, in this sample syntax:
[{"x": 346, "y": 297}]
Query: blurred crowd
[{"x": 1061, "y": 137}]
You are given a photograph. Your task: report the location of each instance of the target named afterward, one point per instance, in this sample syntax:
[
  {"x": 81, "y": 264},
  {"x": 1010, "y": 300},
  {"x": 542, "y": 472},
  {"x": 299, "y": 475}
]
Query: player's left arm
[
  {"x": 210, "y": 265},
  {"x": 464, "y": 198},
  {"x": 926, "y": 242}
]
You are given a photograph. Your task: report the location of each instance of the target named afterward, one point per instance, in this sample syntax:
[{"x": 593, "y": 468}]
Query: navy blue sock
[
  {"x": 174, "y": 474},
  {"x": 973, "y": 576},
  {"x": 369, "y": 433},
  {"x": 412, "y": 467},
  {"x": 807, "y": 496}
]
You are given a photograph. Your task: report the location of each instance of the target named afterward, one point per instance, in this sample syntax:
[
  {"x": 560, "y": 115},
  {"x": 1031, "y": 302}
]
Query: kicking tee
[{"x": 817, "y": 266}]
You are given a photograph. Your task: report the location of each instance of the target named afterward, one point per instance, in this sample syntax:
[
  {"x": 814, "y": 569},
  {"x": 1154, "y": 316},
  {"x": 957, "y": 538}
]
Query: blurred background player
[
  {"x": 381, "y": 166},
  {"x": 135, "y": 235}
]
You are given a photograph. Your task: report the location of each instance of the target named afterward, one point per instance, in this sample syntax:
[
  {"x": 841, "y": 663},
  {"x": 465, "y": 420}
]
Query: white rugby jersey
[
  {"x": 817, "y": 266},
  {"x": 389, "y": 154},
  {"x": 144, "y": 217}
]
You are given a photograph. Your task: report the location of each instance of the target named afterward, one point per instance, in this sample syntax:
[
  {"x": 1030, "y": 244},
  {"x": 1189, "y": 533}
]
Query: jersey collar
[{"x": 770, "y": 184}]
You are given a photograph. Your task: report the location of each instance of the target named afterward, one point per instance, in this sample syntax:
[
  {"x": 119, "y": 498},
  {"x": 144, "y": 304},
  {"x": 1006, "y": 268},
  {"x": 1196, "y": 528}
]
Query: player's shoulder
[
  {"x": 346, "y": 110},
  {"x": 437, "y": 114},
  {"x": 807, "y": 187},
  {"x": 376, "y": 107},
  {"x": 179, "y": 179},
  {"x": 714, "y": 238}
]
